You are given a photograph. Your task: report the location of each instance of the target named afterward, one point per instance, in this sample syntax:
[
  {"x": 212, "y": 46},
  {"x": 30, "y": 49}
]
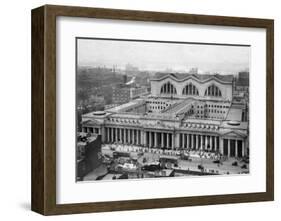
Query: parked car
[{"x": 151, "y": 167}]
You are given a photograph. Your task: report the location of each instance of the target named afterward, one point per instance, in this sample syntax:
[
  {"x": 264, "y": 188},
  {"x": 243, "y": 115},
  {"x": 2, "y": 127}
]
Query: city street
[{"x": 152, "y": 155}]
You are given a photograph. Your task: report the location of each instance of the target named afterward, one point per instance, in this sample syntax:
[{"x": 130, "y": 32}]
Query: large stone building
[{"x": 183, "y": 111}]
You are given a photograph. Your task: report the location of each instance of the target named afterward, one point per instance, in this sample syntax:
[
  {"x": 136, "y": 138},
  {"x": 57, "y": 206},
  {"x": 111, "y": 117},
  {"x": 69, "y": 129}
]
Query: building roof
[
  {"x": 234, "y": 114},
  {"x": 125, "y": 106},
  {"x": 199, "y": 77}
]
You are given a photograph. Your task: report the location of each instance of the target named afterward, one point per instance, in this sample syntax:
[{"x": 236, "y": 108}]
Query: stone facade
[
  {"x": 201, "y": 84},
  {"x": 201, "y": 119}
]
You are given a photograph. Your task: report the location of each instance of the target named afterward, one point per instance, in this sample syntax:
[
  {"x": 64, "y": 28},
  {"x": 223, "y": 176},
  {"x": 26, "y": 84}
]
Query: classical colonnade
[
  {"x": 199, "y": 141},
  {"x": 123, "y": 135},
  {"x": 157, "y": 139},
  {"x": 232, "y": 147}
]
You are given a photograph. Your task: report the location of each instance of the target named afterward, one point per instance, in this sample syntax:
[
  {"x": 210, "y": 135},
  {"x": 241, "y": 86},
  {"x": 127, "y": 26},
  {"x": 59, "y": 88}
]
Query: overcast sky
[{"x": 161, "y": 56}]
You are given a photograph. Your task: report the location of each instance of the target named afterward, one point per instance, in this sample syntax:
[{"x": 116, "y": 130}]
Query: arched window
[
  {"x": 190, "y": 89},
  {"x": 213, "y": 90},
  {"x": 168, "y": 88}
]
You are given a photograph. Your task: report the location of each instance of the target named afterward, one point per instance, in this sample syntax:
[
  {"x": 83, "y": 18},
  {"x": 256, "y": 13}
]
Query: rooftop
[
  {"x": 200, "y": 77},
  {"x": 125, "y": 106},
  {"x": 234, "y": 114},
  {"x": 84, "y": 138}
]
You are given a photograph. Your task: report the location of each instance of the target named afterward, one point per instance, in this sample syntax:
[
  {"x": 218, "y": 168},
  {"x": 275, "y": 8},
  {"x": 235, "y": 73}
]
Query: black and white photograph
[{"x": 158, "y": 109}]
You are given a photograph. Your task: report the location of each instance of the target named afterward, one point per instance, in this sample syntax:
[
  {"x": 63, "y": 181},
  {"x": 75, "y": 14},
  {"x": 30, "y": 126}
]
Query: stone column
[
  {"x": 144, "y": 139},
  {"x": 243, "y": 148},
  {"x": 155, "y": 139},
  {"x": 111, "y": 133},
  {"x": 221, "y": 145},
  {"x": 216, "y": 140},
  {"x": 173, "y": 141},
  {"x": 147, "y": 138},
  {"x": 168, "y": 140},
  {"x": 150, "y": 138},
  {"x": 192, "y": 141},
  {"x": 140, "y": 137},
  {"x": 107, "y": 134},
  {"x": 177, "y": 140},
  {"x": 120, "y": 135},
  {"x": 206, "y": 142},
  {"x": 197, "y": 142},
  {"x": 115, "y": 131},
  {"x": 211, "y": 143},
  {"x": 236, "y": 148},
  {"x": 124, "y": 135},
  {"x": 133, "y": 136},
  {"x": 201, "y": 142},
  {"x": 228, "y": 147},
  {"x": 182, "y": 140},
  {"x": 187, "y": 141},
  {"x": 162, "y": 139},
  {"x": 137, "y": 137}
]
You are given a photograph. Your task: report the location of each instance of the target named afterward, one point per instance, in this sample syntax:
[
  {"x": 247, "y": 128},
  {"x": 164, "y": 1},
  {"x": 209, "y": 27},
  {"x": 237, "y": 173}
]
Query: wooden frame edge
[
  {"x": 270, "y": 109},
  {"x": 37, "y": 110}
]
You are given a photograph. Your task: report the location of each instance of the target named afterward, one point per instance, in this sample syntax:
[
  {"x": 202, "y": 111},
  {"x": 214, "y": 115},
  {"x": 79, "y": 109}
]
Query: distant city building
[
  {"x": 193, "y": 71},
  {"x": 96, "y": 99},
  {"x": 137, "y": 92},
  {"x": 124, "y": 78},
  {"x": 120, "y": 95},
  {"x": 125, "y": 94},
  {"x": 127, "y": 91},
  {"x": 241, "y": 92},
  {"x": 131, "y": 70},
  {"x": 183, "y": 111},
  {"x": 242, "y": 83}
]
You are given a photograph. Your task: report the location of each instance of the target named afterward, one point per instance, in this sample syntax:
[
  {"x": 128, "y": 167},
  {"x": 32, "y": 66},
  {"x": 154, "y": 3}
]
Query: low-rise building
[{"x": 87, "y": 153}]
